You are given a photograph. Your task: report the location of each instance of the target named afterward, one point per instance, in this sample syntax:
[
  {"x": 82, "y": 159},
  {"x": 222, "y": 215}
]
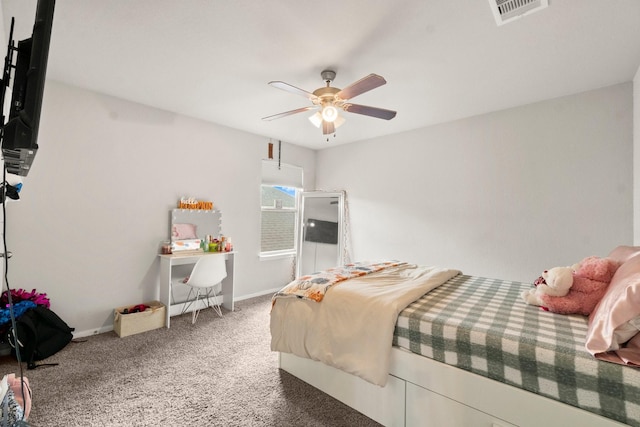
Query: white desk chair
[{"x": 206, "y": 276}]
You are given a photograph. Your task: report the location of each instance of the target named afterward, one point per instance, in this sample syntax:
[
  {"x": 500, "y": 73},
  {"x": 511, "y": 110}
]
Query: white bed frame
[{"x": 423, "y": 392}]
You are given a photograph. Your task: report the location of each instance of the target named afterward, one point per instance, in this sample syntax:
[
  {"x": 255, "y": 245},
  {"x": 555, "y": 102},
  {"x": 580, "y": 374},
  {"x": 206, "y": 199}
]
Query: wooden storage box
[{"x": 134, "y": 323}]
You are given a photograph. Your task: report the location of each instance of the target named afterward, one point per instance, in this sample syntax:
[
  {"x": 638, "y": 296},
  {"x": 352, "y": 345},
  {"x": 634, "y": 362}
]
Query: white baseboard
[
  {"x": 258, "y": 294},
  {"x": 90, "y": 332},
  {"x": 109, "y": 328}
]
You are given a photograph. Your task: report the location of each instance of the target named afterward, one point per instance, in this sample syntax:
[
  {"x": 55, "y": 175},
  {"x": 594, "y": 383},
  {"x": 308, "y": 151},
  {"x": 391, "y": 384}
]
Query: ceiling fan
[{"x": 330, "y": 99}]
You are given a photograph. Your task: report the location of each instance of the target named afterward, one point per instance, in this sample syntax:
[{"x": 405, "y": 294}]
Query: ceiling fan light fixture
[
  {"x": 329, "y": 113},
  {"x": 330, "y": 99},
  {"x": 316, "y": 119}
]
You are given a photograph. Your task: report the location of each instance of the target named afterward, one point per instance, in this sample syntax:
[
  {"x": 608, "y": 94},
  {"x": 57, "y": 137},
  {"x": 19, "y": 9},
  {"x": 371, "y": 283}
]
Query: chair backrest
[{"x": 208, "y": 271}]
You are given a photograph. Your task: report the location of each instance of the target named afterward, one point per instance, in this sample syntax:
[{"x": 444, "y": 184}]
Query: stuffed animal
[
  {"x": 590, "y": 282},
  {"x": 556, "y": 282}
]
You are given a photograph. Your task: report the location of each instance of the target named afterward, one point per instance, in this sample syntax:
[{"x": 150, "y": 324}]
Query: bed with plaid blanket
[
  {"x": 352, "y": 328},
  {"x": 482, "y": 326}
]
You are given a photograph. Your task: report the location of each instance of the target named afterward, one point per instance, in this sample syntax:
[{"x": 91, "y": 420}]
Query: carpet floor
[{"x": 218, "y": 372}]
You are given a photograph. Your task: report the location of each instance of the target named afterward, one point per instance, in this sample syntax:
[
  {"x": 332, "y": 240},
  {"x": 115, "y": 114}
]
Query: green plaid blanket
[{"x": 483, "y": 326}]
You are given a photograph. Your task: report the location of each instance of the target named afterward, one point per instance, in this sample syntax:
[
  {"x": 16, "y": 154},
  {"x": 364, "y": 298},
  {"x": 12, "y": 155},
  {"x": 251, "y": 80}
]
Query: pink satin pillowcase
[
  {"x": 616, "y": 319},
  {"x": 624, "y": 253}
]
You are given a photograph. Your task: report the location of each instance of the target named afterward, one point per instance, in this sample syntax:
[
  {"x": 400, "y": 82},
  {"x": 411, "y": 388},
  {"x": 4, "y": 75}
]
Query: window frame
[
  {"x": 275, "y": 173},
  {"x": 281, "y": 253}
]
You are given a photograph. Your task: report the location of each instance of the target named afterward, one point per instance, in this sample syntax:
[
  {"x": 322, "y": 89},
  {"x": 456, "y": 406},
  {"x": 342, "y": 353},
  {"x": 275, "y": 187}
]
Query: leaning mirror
[{"x": 320, "y": 232}]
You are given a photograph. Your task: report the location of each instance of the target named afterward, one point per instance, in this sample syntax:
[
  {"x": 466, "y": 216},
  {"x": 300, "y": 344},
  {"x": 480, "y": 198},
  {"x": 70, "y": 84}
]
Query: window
[
  {"x": 279, "y": 208},
  {"x": 279, "y": 218}
]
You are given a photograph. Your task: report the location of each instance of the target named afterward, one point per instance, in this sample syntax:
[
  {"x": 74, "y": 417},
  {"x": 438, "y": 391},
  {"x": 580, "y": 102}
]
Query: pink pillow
[
  {"x": 183, "y": 231},
  {"x": 615, "y": 319},
  {"x": 623, "y": 253}
]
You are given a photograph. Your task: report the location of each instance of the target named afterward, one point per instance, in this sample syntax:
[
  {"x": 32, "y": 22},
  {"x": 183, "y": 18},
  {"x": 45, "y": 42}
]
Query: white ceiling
[{"x": 443, "y": 60}]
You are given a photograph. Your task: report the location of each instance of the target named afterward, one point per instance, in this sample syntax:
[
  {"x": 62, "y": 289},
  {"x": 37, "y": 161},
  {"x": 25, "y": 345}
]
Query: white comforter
[{"x": 352, "y": 327}]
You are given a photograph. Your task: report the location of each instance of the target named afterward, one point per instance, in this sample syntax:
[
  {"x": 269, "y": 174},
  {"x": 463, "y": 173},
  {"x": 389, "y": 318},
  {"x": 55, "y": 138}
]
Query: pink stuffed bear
[{"x": 590, "y": 281}]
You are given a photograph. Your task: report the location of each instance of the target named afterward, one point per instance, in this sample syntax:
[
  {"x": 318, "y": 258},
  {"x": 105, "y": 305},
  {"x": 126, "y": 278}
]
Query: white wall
[
  {"x": 504, "y": 195},
  {"x": 95, "y": 205}
]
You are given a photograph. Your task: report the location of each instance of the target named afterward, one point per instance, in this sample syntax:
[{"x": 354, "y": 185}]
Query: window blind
[{"x": 286, "y": 175}]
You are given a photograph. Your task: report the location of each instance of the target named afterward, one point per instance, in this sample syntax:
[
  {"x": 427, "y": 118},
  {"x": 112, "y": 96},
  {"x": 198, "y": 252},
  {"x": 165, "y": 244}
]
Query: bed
[{"x": 467, "y": 352}]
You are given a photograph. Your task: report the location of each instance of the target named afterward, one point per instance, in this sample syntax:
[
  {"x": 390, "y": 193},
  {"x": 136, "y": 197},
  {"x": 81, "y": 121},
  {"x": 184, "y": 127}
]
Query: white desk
[{"x": 166, "y": 264}]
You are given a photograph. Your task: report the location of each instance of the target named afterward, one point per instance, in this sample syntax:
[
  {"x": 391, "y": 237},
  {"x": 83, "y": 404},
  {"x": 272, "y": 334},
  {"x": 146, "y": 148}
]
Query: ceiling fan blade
[
  {"x": 379, "y": 113},
  {"x": 289, "y": 88},
  {"x": 363, "y": 85},
  {"x": 288, "y": 113},
  {"x": 327, "y": 127}
]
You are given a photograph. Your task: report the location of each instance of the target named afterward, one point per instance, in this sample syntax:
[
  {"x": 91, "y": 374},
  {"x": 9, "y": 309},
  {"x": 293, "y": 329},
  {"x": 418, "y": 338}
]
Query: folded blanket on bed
[
  {"x": 353, "y": 328},
  {"x": 315, "y": 286}
]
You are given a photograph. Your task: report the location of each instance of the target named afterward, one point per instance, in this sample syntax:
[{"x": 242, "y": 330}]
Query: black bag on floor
[{"x": 40, "y": 333}]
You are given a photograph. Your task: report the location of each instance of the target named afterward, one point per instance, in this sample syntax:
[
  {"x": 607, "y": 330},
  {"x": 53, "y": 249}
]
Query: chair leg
[
  {"x": 188, "y": 302},
  {"x": 194, "y": 313},
  {"x": 216, "y": 308},
  {"x": 196, "y": 301}
]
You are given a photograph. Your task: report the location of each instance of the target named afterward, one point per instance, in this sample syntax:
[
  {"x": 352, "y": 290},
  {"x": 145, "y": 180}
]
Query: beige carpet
[{"x": 218, "y": 372}]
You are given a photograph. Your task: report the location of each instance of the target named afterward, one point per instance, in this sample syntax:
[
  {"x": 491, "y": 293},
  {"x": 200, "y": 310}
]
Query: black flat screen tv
[
  {"x": 319, "y": 231},
  {"x": 20, "y": 133}
]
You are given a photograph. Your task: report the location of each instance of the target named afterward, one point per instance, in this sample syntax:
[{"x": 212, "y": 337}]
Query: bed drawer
[{"x": 425, "y": 408}]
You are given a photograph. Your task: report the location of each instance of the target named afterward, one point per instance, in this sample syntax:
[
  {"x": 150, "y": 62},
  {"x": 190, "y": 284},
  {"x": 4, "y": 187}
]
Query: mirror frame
[
  {"x": 306, "y": 195},
  {"x": 207, "y": 221}
]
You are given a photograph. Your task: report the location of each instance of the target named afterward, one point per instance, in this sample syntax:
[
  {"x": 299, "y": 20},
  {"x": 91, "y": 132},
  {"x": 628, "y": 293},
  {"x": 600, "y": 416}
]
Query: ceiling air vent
[{"x": 507, "y": 10}]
